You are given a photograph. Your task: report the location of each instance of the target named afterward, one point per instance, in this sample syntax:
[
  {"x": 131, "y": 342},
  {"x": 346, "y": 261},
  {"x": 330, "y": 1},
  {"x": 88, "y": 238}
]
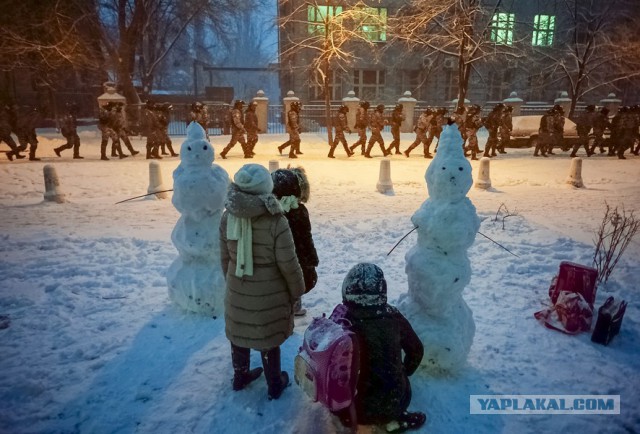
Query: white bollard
[
  {"x": 575, "y": 173},
  {"x": 385, "y": 185},
  {"x": 52, "y": 190},
  {"x": 484, "y": 179},
  {"x": 273, "y": 165},
  {"x": 155, "y": 181}
]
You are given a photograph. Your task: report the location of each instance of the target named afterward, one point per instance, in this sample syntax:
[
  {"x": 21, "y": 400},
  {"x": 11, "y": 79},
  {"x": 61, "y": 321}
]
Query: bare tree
[
  {"x": 333, "y": 35},
  {"x": 44, "y": 37},
  {"x": 597, "y": 48},
  {"x": 464, "y": 29}
]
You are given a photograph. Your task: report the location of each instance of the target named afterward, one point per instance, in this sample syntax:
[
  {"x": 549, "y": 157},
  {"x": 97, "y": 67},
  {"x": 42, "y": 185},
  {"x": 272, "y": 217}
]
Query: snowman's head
[
  {"x": 449, "y": 174},
  {"x": 196, "y": 150}
]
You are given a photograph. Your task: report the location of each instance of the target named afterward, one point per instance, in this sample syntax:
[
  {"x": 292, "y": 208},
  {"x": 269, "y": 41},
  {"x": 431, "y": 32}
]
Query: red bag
[
  {"x": 572, "y": 292},
  {"x": 574, "y": 278}
]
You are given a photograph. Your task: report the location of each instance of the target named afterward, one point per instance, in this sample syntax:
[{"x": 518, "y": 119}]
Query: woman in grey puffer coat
[{"x": 263, "y": 277}]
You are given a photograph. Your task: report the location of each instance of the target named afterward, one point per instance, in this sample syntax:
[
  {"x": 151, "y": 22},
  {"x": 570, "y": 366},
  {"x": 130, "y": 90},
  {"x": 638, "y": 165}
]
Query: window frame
[
  {"x": 543, "y": 36},
  {"x": 502, "y": 28},
  {"x": 378, "y": 31},
  {"x": 317, "y": 17}
]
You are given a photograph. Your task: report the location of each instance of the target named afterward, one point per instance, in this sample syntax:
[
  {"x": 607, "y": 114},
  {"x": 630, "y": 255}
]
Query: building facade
[{"x": 535, "y": 31}]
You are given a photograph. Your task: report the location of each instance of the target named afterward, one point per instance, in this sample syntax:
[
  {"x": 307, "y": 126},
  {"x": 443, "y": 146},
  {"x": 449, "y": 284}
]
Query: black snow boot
[
  {"x": 242, "y": 376},
  {"x": 277, "y": 380}
]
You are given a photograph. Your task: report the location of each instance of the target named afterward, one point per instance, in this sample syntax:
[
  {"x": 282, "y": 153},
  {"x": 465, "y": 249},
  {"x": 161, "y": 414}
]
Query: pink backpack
[{"x": 327, "y": 365}]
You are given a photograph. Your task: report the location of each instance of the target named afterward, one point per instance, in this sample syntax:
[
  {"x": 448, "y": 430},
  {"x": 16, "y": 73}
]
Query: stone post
[
  {"x": 52, "y": 190},
  {"x": 408, "y": 108},
  {"x": 273, "y": 165},
  {"x": 484, "y": 179},
  {"x": 155, "y": 181},
  {"x": 575, "y": 173},
  {"x": 564, "y": 101},
  {"x": 514, "y": 102},
  {"x": 287, "y": 100},
  {"x": 612, "y": 103},
  {"x": 262, "y": 110},
  {"x": 352, "y": 102},
  {"x": 384, "y": 185}
]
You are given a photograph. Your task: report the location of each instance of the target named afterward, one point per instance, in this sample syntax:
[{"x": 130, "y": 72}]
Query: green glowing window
[
  {"x": 543, "y": 26},
  {"x": 318, "y": 16},
  {"x": 502, "y": 26},
  {"x": 374, "y": 24}
]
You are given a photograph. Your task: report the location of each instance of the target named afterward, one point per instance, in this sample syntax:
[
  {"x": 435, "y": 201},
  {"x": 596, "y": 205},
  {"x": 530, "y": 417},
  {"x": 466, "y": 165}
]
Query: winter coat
[
  {"x": 68, "y": 125},
  {"x": 237, "y": 121},
  {"x": 383, "y": 333},
  {"x": 286, "y": 184},
  {"x": 376, "y": 122},
  {"x": 397, "y": 117},
  {"x": 584, "y": 123},
  {"x": 251, "y": 121},
  {"x": 340, "y": 123},
  {"x": 259, "y": 308},
  {"x": 362, "y": 118}
]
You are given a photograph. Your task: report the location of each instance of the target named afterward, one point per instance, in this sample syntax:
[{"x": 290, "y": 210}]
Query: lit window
[
  {"x": 502, "y": 28},
  {"x": 543, "y": 26},
  {"x": 374, "y": 24},
  {"x": 318, "y": 16}
]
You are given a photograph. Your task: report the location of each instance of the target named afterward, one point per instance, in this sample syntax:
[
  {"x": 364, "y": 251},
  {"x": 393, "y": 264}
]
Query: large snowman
[
  {"x": 195, "y": 278},
  {"x": 438, "y": 267}
]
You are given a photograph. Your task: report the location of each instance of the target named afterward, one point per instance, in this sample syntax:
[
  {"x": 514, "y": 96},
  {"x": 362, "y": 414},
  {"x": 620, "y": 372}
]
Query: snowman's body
[
  {"x": 195, "y": 278},
  {"x": 438, "y": 267}
]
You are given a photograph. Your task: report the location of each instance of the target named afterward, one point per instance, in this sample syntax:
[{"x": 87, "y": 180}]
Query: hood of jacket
[{"x": 246, "y": 205}]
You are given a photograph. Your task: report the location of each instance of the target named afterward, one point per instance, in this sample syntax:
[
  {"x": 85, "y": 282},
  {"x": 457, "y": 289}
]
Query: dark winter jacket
[
  {"x": 259, "y": 308},
  {"x": 383, "y": 390},
  {"x": 287, "y": 183},
  {"x": 397, "y": 117}
]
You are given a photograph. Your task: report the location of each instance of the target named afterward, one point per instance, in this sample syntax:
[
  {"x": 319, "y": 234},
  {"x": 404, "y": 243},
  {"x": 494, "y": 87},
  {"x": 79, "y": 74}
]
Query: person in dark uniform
[
  {"x": 472, "y": 124},
  {"x": 362, "y": 122},
  {"x": 584, "y": 124},
  {"x": 340, "y": 125},
  {"x": 376, "y": 124},
  {"x": 545, "y": 132},
  {"x": 557, "y": 135},
  {"x": 200, "y": 114},
  {"x": 251, "y": 125},
  {"x": 163, "y": 114},
  {"x": 293, "y": 127},
  {"x": 437, "y": 123},
  {"x": 69, "y": 130},
  {"x": 105, "y": 125},
  {"x": 120, "y": 127},
  {"x": 153, "y": 131},
  {"x": 397, "y": 117},
  {"x": 506, "y": 126},
  {"x": 492, "y": 124},
  {"x": 237, "y": 131},
  {"x": 600, "y": 124},
  {"x": 421, "y": 128},
  {"x": 5, "y": 133},
  {"x": 26, "y": 130}
]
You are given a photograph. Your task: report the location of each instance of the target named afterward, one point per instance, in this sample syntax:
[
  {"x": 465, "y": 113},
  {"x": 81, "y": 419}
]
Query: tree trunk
[{"x": 327, "y": 103}]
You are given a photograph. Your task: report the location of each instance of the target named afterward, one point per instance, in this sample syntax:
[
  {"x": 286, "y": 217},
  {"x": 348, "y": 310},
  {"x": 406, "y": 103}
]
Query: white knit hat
[{"x": 254, "y": 179}]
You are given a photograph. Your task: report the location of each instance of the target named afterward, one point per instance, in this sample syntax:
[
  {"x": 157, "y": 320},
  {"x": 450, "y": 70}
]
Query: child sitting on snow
[
  {"x": 383, "y": 389},
  {"x": 291, "y": 187}
]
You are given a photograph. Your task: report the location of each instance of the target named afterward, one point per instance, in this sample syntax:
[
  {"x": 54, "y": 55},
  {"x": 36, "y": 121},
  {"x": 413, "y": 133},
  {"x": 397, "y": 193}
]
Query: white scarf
[{"x": 239, "y": 228}]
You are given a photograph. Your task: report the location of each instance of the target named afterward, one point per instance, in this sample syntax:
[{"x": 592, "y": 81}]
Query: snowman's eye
[
  {"x": 460, "y": 169},
  {"x": 188, "y": 148},
  {"x": 444, "y": 168},
  {"x": 204, "y": 147}
]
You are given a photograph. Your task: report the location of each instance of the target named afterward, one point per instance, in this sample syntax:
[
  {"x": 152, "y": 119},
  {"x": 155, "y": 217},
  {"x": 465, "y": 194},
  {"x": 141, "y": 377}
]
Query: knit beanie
[
  {"x": 365, "y": 285},
  {"x": 253, "y": 179}
]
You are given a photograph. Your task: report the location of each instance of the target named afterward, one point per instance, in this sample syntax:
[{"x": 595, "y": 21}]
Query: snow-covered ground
[{"x": 94, "y": 345}]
